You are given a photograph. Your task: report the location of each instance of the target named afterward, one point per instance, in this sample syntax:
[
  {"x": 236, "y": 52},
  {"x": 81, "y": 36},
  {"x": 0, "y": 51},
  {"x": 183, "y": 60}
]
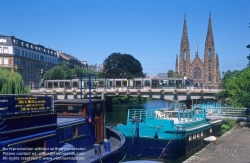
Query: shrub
[{"x": 228, "y": 124}]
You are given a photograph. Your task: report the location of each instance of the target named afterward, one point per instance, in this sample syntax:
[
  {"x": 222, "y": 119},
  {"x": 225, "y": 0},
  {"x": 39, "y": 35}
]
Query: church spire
[
  {"x": 196, "y": 54},
  {"x": 209, "y": 38},
  {"x": 184, "y": 38}
]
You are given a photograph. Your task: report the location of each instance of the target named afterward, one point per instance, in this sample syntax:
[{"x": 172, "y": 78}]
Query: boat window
[
  {"x": 198, "y": 135},
  {"x": 190, "y": 138},
  {"x": 211, "y": 130},
  {"x": 201, "y": 134},
  {"x": 194, "y": 136},
  {"x": 74, "y": 131}
]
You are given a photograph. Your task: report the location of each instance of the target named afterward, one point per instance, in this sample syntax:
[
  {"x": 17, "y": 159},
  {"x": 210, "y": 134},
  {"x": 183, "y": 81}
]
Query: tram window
[
  {"x": 61, "y": 84},
  {"x": 118, "y": 83},
  {"x": 49, "y": 84},
  {"x": 138, "y": 83},
  {"x": 147, "y": 83},
  {"x": 124, "y": 83},
  {"x": 178, "y": 82},
  {"x": 75, "y": 84},
  {"x": 171, "y": 82},
  {"x": 100, "y": 84},
  {"x": 55, "y": 84},
  {"x": 67, "y": 84}
]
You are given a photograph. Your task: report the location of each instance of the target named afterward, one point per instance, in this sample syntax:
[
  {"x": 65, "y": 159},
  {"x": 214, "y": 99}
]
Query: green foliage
[
  {"x": 236, "y": 88},
  {"x": 227, "y": 124},
  {"x": 128, "y": 99},
  {"x": 239, "y": 89},
  {"x": 170, "y": 73},
  {"x": 118, "y": 63},
  {"x": 65, "y": 72},
  {"x": 11, "y": 82}
]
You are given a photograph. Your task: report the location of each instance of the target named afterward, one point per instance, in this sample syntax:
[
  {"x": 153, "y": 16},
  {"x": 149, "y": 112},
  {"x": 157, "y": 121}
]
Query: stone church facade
[{"x": 204, "y": 72}]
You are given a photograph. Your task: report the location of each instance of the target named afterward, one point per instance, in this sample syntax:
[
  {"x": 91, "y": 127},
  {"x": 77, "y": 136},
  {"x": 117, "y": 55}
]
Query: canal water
[{"x": 119, "y": 113}]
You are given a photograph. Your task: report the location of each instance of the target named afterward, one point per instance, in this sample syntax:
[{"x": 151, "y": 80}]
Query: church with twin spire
[{"x": 204, "y": 72}]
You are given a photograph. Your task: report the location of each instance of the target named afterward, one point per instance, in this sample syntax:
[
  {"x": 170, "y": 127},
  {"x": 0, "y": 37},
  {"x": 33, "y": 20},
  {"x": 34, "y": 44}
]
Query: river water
[{"x": 119, "y": 113}]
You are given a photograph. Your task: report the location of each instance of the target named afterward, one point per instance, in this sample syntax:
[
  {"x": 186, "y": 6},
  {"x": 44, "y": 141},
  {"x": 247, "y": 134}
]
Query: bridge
[{"x": 167, "y": 94}]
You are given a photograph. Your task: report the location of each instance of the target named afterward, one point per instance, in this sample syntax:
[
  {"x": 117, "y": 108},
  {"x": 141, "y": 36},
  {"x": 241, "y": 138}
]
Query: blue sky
[{"x": 150, "y": 30}]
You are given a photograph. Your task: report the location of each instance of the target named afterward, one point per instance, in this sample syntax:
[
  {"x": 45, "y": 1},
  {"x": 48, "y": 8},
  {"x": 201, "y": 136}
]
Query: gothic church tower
[
  {"x": 184, "y": 61},
  {"x": 204, "y": 72}
]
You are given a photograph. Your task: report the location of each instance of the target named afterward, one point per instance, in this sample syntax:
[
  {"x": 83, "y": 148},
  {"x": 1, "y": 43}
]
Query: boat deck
[{"x": 89, "y": 156}]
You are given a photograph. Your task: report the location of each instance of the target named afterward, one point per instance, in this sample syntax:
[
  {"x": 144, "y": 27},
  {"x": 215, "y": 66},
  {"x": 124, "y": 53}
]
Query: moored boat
[
  {"x": 31, "y": 131},
  {"x": 166, "y": 134}
]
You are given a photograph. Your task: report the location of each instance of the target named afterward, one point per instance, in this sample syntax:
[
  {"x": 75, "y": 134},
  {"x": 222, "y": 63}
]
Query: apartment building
[{"x": 26, "y": 58}]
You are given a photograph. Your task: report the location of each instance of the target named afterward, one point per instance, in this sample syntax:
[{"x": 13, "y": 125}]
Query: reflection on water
[{"x": 119, "y": 114}]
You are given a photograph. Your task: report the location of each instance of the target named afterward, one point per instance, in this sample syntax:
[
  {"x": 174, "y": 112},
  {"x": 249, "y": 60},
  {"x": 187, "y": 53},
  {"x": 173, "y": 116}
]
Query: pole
[
  {"x": 104, "y": 116},
  {"x": 81, "y": 85},
  {"x": 90, "y": 106},
  {"x": 46, "y": 77}
]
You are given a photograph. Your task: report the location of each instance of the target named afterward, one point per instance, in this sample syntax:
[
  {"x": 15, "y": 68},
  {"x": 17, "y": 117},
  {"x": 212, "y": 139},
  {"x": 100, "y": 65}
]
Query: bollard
[
  {"x": 106, "y": 145},
  {"x": 97, "y": 149}
]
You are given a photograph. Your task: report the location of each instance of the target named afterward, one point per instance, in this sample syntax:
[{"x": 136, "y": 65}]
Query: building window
[
  {"x": 1, "y": 60},
  {"x": 22, "y": 53},
  {"x": 6, "y": 61},
  {"x": 184, "y": 54},
  {"x": 18, "y": 52},
  {"x": 3, "y": 40},
  {"x": 5, "y": 50},
  {"x": 197, "y": 73},
  {"x": 209, "y": 68},
  {"x": 0, "y": 50},
  {"x": 209, "y": 77},
  {"x": 209, "y": 54}
]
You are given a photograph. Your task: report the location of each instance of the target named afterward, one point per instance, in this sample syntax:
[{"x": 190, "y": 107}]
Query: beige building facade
[{"x": 204, "y": 71}]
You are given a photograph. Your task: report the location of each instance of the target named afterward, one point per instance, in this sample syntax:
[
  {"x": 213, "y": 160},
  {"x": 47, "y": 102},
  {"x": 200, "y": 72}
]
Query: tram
[{"x": 138, "y": 83}]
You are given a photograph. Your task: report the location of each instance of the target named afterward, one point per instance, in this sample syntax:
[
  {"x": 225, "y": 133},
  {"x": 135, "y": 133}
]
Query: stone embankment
[{"x": 231, "y": 147}]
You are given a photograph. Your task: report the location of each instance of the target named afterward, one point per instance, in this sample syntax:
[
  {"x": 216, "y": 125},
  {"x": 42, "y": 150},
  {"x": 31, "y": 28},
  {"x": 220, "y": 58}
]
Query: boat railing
[
  {"x": 178, "y": 115},
  {"x": 141, "y": 114}
]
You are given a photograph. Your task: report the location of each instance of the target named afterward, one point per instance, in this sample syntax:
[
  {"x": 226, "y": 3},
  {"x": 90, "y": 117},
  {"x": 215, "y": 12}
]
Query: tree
[
  {"x": 11, "y": 82},
  {"x": 118, "y": 63},
  {"x": 170, "y": 73},
  {"x": 65, "y": 72},
  {"x": 238, "y": 88},
  {"x": 224, "y": 94}
]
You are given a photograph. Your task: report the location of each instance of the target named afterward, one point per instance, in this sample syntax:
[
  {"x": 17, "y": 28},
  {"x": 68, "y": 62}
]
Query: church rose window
[{"x": 197, "y": 73}]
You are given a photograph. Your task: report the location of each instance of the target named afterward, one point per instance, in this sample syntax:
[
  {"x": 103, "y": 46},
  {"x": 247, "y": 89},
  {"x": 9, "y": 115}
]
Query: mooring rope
[{"x": 177, "y": 128}]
